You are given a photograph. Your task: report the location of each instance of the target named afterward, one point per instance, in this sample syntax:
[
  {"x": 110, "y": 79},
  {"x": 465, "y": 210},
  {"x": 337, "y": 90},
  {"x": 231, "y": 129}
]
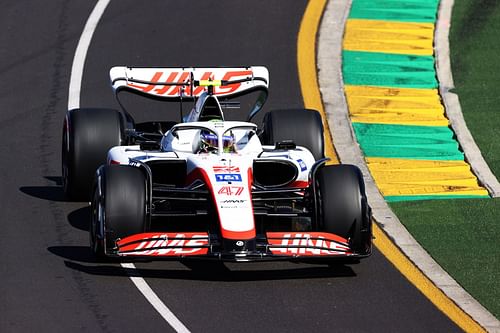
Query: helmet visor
[{"x": 209, "y": 139}]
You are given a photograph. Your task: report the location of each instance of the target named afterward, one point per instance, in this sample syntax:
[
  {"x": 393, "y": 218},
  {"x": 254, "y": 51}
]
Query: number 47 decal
[{"x": 231, "y": 190}]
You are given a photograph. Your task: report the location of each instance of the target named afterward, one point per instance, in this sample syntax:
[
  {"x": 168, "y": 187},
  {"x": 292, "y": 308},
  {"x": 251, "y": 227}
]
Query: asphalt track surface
[{"x": 50, "y": 283}]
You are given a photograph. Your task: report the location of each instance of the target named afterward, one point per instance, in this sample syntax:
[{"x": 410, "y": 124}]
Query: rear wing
[{"x": 189, "y": 82}]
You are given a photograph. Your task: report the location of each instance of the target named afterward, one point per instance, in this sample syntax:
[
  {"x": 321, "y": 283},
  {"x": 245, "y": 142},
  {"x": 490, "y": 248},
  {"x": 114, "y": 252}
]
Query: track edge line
[
  {"x": 76, "y": 77},
  {"x": 155, "y": 301},
  {"x": 307, "y": 43}
]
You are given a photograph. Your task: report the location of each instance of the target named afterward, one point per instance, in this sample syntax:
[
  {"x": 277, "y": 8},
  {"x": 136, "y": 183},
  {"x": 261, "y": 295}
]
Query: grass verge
[{"x": 463, "y": 236}]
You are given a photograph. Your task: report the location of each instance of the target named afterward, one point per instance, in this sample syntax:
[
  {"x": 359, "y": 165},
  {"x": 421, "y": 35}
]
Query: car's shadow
[
  {"x": 81, "y": 259},
  {"x": 51, "y": 193},
  {"x": 80, "y": 218}
]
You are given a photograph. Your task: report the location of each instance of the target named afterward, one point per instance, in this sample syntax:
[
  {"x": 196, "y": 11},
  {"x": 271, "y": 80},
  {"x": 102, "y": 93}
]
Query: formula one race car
[{"x": 210, "y": 188}]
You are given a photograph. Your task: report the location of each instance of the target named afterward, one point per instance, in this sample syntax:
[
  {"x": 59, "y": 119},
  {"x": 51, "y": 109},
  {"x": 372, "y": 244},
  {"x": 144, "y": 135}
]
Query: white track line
[
  {"x": 75, "y": 85},
  {"x": 155, "y": 301},
  {"x": 75, "y": 82}
]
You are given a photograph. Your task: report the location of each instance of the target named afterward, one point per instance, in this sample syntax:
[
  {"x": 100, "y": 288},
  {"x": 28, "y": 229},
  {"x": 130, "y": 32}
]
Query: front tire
[
  {"x": 342, "y": 205},
  {"x": 88, "y": 134},
  {"x": 118, "y": 206}
]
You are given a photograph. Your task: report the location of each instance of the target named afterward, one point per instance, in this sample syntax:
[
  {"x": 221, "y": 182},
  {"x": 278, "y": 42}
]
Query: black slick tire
[
  {"x": 302, "y": 126},
  {"x": 342, "y": 205},
  {"x": 88, "y": 134},
  {"x": 118, "y": 206}
]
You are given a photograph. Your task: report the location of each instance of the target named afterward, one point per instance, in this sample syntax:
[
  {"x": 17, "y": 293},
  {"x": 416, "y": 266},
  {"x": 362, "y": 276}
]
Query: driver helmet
[
  {"x": 228, "y": 143},
  {"x": 209, "y": 142}
]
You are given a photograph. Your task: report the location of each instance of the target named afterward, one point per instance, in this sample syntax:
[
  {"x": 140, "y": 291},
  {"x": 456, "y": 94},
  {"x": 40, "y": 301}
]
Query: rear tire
[
  {"x": 118, "y": 206},
  {"x": 302, "y": 126},
  {"x": 88, "y": 134},
  {"x": 342, "y": 205}
]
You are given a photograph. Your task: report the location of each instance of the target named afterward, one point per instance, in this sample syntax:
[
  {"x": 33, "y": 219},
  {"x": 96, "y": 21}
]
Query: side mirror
[
  {"x": 285, "y": 145},
  {"x": 150, "y": 145}
]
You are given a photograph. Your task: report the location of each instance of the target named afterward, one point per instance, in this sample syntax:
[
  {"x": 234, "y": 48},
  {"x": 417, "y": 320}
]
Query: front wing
[{"x": 271, "y": 246}]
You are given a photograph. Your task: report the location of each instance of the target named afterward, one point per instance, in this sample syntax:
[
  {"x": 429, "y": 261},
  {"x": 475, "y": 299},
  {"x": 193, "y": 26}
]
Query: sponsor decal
[
  {"x": 166, "y": 244},
  {"x": 133, "y": 163},
  {"x": 307, "y": 244},
  {"x": 183, "y": 77},
  {"x": 234, "y": 201},
  {"x": 226, "y": 169},
  {"x": 302, "y": 164},
  {"x": 228, "y": 177},
  {"x": 231, "y": 190}
]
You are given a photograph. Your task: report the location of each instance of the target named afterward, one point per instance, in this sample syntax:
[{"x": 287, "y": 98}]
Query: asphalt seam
[
  {"x": 329, "y": 60},
  {"x": 452, "y": 104}
]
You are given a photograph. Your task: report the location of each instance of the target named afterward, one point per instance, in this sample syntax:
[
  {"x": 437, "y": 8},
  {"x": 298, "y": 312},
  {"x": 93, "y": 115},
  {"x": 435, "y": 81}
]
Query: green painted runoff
[
  {"x": 395, "y": 10},
  {"x": 408, "y": 142},
  {"x": 388, "y": 70},
  {"x": 400, "y": 198}
]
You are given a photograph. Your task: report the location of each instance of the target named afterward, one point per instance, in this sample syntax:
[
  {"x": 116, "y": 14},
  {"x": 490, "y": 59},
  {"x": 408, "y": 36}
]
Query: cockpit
[
  {"x": 209, "y": 142},
  {"x": 214, "y": 137}
]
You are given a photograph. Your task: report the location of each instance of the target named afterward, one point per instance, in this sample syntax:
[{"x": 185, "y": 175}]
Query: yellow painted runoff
[
  {"x": 404, "y": 106},
  {"x": 421, "y": 177},
  {"x": 389, "y": 37}
]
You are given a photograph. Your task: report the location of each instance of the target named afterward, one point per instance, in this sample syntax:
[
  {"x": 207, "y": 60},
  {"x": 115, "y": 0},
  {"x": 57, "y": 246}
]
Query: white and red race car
[{"x": 210, "y": 188}]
